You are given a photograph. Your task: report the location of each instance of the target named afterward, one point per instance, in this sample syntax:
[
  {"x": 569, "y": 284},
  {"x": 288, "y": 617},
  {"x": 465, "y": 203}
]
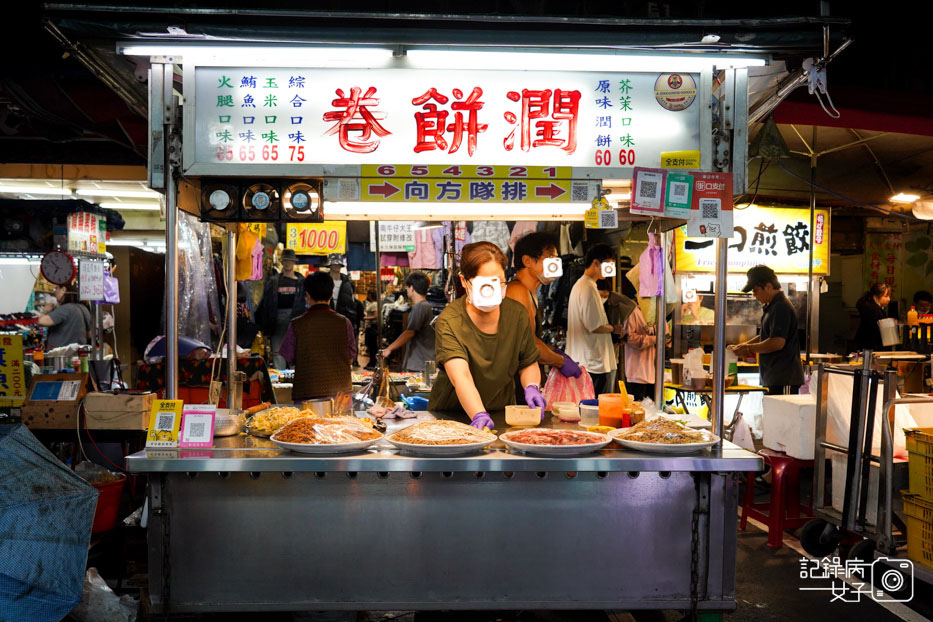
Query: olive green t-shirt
[{"x": 494, "y": 359}]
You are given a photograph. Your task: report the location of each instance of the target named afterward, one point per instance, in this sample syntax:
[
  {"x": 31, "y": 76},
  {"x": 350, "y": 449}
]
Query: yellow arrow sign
[{"x": 466, "y": 190}]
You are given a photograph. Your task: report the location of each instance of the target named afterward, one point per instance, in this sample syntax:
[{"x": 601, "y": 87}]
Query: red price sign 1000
[{"x": 311, "y": 240}]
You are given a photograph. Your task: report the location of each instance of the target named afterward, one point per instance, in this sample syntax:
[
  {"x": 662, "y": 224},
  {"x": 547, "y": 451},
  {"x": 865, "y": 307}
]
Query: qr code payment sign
[{"x": 709, "y": 208}]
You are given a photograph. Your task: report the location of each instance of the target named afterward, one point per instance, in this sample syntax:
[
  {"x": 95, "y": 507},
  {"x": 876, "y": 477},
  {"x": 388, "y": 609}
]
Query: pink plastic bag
[{"x": 559, "y": 388}]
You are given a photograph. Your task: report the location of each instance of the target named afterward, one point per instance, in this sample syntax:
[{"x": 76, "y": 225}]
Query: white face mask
[
  {"x": 553, "y": 269},
  {"x": 485, "y": 293}
]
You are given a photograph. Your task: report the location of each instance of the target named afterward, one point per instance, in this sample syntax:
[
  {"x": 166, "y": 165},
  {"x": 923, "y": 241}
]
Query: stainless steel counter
[
  {"x": 251, "y": 454},
  {"x": 246, "y": 527}
]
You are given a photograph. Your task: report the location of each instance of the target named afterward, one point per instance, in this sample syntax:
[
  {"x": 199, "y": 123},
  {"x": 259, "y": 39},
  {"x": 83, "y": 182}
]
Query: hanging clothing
[
  {"x": 256, "y": 261},
  {"x": 429, "y": 249},
  {"x": 520, "y": 230},
  {"x": 651, "y": 270},
  {"x": 495, "y": 231},
  {"x": 245, "y": 243}
]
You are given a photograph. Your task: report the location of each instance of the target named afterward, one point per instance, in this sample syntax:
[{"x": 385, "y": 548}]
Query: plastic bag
[
  {"x": 100, "y": 604},
  {"x": 560, "y": 388},
  {"x": 693, "y": 365}
]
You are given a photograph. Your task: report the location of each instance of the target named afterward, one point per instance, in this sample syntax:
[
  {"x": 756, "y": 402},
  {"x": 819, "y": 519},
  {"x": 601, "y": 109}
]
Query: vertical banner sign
[
  {"x": 12, "y": 377},
  {"x": 882, "y": 259},
  {"x": 317, "y": 238},
  {"x": 90, "y": 280},
  {"x": 648, "y": 191},
  {"x": 711, "y": 208},
  {"x": 678, "y": 194}
]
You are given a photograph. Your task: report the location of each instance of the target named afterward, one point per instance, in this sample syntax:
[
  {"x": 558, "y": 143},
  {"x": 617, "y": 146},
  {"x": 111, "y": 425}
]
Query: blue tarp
[{"x": 46, "y": 513}]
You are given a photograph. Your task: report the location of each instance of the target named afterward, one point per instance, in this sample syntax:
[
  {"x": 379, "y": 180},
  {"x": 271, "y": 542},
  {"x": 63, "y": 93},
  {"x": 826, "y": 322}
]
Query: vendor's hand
[
  {"x": 569, "y": 368},
  {"x": 482, "y": 421},
  {"x": 534, "y": 399},
  {"x": 385, "y": 353}
]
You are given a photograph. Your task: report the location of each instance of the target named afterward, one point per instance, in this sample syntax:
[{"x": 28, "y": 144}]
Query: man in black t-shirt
[
  {"x": 282, "y": 301},
  {"x": 777, "y": 344}
]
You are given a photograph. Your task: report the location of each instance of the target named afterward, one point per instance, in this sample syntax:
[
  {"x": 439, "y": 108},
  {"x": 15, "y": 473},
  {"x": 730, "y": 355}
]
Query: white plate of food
[
  {"x": 663, "y": 436},
  {"x": 326, "y": 435},
  {"x": 551, "y": 442},
  {"x": 441, "y": 438}
]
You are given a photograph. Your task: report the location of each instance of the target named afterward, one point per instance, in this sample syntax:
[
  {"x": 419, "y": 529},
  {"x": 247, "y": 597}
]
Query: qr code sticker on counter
[
  {"x": 165, "y": 422},
  {"x": 709, "y": 208},
  {"x": 196, "y": 430}
]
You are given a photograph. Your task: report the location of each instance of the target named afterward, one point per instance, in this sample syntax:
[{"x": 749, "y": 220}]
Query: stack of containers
[{"x": 918, "y": 502}]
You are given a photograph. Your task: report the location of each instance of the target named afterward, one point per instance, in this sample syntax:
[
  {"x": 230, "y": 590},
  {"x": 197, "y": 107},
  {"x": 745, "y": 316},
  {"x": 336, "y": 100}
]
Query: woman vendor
[{"x": 481, "y": 341}]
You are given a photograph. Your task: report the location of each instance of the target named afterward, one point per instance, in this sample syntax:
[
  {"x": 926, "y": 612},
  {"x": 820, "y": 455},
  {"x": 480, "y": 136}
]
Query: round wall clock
[{"x": 58, "y": 267}]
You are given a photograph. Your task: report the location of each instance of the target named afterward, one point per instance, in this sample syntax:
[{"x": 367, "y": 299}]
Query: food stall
[{"x": 231, "y": 526}]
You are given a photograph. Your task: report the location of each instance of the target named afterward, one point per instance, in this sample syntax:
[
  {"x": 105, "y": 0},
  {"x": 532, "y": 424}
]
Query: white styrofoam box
[
  {"x": 838, "y": 462},
  {"x": 789, "y": 423}
]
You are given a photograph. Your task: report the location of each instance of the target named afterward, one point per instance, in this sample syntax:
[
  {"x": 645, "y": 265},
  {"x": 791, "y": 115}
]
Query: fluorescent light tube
[
  {"x": 44, "y": 190},
  {"x": 120, "y": 194},
  {"x": 288, "y": 56},
  {"x": 131, "y": 206},
  {"x": 567, "y": 61}
]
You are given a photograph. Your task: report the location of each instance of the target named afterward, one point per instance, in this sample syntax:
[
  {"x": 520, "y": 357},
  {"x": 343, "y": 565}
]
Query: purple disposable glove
[
  {"x": 482, "y": 420},
  {"x": 569, "y": 368},
  {"x": 534, "y": 399}
]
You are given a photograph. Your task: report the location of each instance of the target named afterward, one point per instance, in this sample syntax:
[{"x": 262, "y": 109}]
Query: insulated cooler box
[{"x": 789, "y": 424}]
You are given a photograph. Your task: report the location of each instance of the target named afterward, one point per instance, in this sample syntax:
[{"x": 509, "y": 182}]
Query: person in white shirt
[{"x": 589, "y": 333}]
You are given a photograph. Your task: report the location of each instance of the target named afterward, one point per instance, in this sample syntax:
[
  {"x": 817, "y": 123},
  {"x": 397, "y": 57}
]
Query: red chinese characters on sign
[
  {"x": 818, "y": 230},
  {"x": 432, "y": 123},
  {"x": 554, "y": 120},
  {"x": 356, "y": 117}
]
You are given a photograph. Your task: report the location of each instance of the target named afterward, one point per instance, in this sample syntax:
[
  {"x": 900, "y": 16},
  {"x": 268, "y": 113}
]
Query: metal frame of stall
[{"x": 379, "y": 506}]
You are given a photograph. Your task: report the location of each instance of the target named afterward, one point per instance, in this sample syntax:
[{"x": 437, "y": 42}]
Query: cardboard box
[
  {"x": 54, "y": 400},
  {"x": 118, "y": 411}
]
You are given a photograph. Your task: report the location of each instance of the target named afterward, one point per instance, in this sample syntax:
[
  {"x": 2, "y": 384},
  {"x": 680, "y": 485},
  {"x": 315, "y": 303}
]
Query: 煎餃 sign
[{"x": 773, "y": 236}]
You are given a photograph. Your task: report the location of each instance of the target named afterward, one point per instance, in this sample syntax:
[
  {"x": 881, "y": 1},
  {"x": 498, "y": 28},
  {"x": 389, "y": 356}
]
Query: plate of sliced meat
[{"x": 550, "y": 442}]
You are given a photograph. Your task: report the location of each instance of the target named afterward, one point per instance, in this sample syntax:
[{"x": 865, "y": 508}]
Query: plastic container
[
  {"x": 913, "y": 318},
  {"x": 920, "y": 458},
  {"x": 108, "y": 504},
  {"x": 611, "y": 407},
  {"x": 566, "y": 411},
  {"x": 919, "y": 514},
  {"x": 589, "y": 413},
  {"x": 522, "y": 416}
]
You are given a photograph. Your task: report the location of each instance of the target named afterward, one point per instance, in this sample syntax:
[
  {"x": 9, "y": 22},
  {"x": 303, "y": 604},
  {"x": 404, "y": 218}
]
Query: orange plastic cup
[{"x": 611, "y": 406}]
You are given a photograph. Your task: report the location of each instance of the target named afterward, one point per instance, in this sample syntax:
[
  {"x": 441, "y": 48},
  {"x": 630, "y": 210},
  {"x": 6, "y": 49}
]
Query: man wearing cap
[
  {"x": 777, "y": 344},
  {"x": 282, "y": 301},
  {"x": 344, "y": 299}
]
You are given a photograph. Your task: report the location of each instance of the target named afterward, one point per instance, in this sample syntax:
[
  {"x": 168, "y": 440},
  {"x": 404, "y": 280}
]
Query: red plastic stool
[{"x": 784, "y": 507}]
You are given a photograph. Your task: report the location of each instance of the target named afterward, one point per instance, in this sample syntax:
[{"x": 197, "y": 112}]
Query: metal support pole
[
  {"x": 372, "y": 355},
  {"x": 810, "y": 289},
  {"x": 719, "y": 336},
  {"x": 660, "y": 326},
  {"x": 98, "y": 341},
  {"x": 230, "y": 276},
  {"x": 164, "y": 153},
  {"x": 171, "y": 279}
]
